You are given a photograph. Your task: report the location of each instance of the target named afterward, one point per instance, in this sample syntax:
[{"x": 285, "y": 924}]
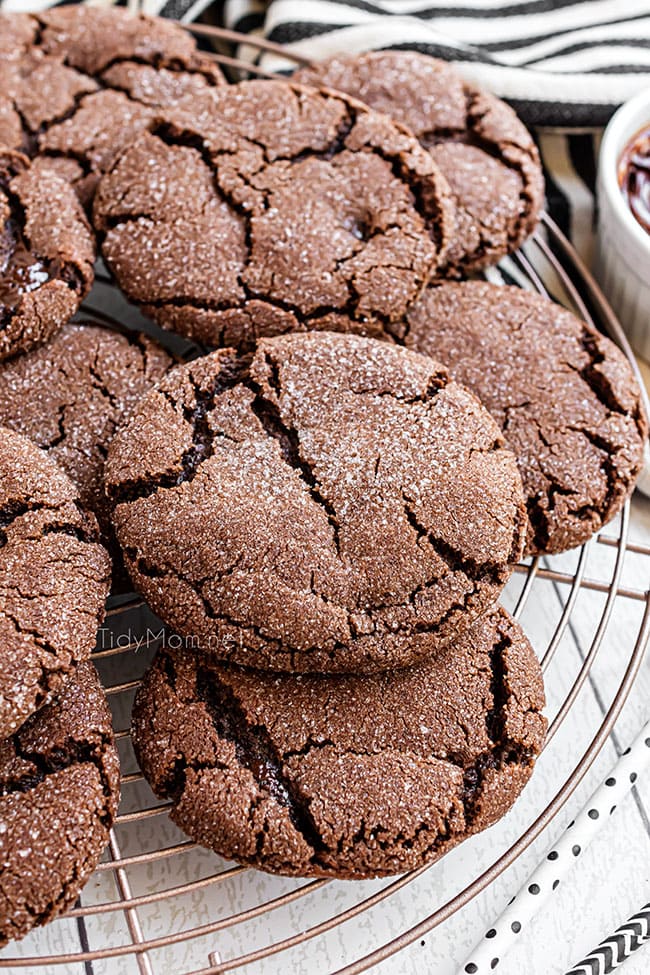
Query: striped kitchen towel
[
  {"x": 540, "y": 54},
  {"x": 565, "y": 63}
]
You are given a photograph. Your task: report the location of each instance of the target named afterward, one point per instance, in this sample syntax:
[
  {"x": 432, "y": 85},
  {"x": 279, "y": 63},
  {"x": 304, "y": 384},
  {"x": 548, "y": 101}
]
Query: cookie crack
[
  {"x": 288, "y": 439},
  {"x": 158, "y": 61},
  {"x": 203, "y": 437},
  {"x": 256, "y": 752},
  {"x": 455, "y": 560},
  {"x": 313, "y": 744},
  {"x": 597, "y": 381},
  {"x": 608, "y": 454},
  {"x": 47, "y": 679},
  {"x": 13, "y": 510},
  {"x": 539, "y": 522},
  {"x": 436, "y": 382},
  {"x": 505, "y": 750},
  {"x": 28, "y": 139},
  {"x": 98, "y": 383},
  {"x": 60, "y": 436},
  {"x": 58, "y": 759},
  {"x": 69, "y": 528},
  {"x": 336, "y": 146},
  {"x": 53, "y": 268},
  {"x": 78, "y": 99},
  {"x": 427, "y": 203},
  {"x": 458, "y": 608},
  {"x": 76, "y": 155}
]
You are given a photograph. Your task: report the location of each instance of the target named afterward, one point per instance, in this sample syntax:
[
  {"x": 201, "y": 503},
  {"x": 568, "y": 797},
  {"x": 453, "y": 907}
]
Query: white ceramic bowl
[{"x": 623, "y": 246}]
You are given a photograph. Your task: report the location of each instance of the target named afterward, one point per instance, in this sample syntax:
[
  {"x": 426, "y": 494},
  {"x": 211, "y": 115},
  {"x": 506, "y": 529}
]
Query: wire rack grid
[{"x": 157, "y": 903}]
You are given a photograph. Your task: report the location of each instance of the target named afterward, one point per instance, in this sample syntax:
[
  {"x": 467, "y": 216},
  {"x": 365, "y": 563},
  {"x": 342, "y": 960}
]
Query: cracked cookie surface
[
  {"x": 70, "y": 396},
  {"x": 332, "y": 503},
  {"x": 564, "y": 395},
  {"x": 486, "y": 154},
  {"x": 272, "y": 208},
  {"x": 79, "y": 83},
  {"x": 47, "y": 253},
  {"x": 345, "y": 776},
  {"x": 59, "y": 790},
  {"x": 54, "y": 579}
]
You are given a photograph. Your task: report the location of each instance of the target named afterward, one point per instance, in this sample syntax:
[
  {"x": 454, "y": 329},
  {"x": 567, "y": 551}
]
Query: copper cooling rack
[{"x": 159, "y": 904}]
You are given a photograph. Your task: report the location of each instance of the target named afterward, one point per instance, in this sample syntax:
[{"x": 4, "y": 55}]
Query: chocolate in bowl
[{"x": 634, "y": 176}]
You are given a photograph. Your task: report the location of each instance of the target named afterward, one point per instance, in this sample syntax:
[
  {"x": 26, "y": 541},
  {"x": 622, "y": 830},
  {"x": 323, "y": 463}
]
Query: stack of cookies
[
  {"x": 66, "y": 387},
  {"x": 327, "y": 506}
]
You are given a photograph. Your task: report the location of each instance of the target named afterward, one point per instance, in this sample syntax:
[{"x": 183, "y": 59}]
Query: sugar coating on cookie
[
  {"x": 79, "y": 83},
  {"x": 332, "y": 503},
  {"x": 345, "y": 776},
  {"x": 563, "y": 394},
  {"x": 484, "y": 151},
  {"x": 71, "y": 395},
  {"x": 54, "y": 579},
  {"x": 270, "y": 207},
  {"x": 59, "y": 790},
  {"x": 47, "y": 253}
]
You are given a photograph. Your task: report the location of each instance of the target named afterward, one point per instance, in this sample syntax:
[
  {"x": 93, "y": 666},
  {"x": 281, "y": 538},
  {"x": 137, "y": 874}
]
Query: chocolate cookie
[
  {"x": 273, "y": 208},
  {"x": 59, "y": 790},
  {"x": 79, "y": 83},
  {"x": 46, "y": 254},
  {"x": 331, "y": 503},
  {"x": 486, "y": 154},
  {"x": 308, "y": 775},
  {"x": 54, "y": 579},
  {"x": 563, "y": 394},
  {"x": 70, "y": 396}
]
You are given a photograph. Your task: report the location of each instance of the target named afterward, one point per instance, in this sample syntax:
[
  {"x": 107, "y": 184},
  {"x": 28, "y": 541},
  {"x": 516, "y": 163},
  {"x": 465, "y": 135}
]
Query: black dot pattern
[{"x": 594, "y": 812}]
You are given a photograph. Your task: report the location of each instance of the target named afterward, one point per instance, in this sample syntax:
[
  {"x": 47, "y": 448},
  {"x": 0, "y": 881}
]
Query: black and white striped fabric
[
  {"x": 558, "y": 62},
  {"x": 613, "y": 951},
  {"x": 565, "y": 63}
]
